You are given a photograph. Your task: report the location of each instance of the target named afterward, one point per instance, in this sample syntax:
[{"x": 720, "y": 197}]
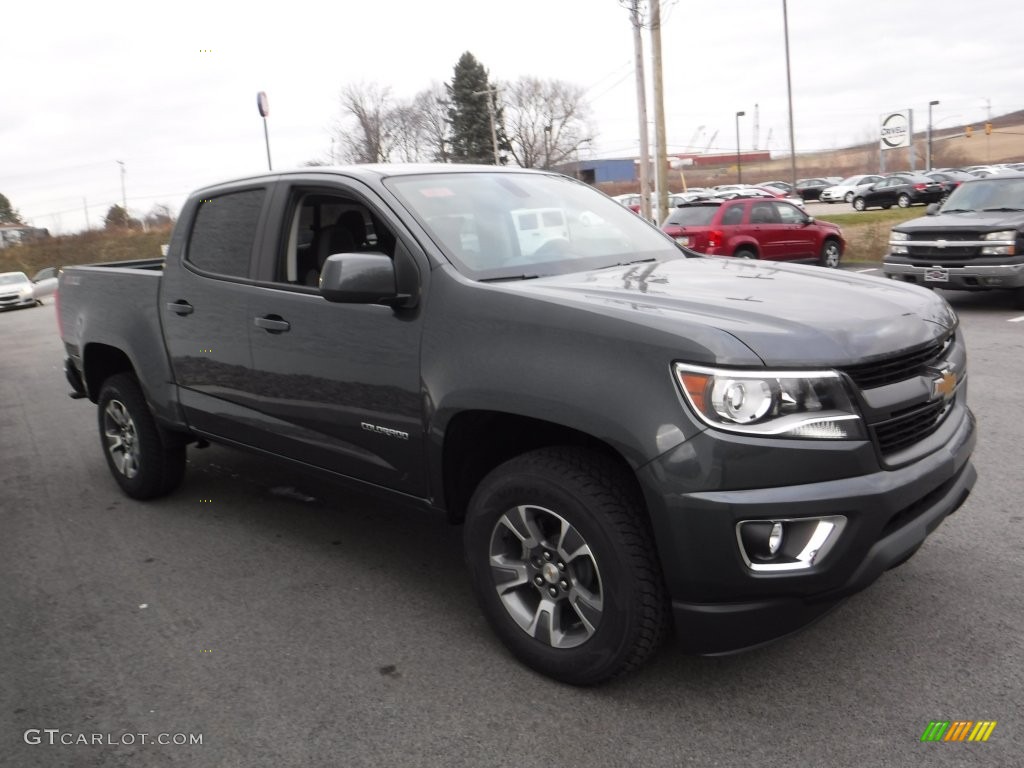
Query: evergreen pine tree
[{"x": 468, "y": 115}]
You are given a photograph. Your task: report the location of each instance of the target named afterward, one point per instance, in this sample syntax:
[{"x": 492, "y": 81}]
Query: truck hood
[
  {"x": 973, "y": 221},
  {"x": 788, "y": 315}
]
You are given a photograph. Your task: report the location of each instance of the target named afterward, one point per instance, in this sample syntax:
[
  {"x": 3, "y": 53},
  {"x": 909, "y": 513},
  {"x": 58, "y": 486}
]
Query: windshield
[
  {"x": 507, "y": 225},
  {"x": 990, "y": 193},
  {"x": 13, "y": 278},
  {"x": 850, "y": 181}
]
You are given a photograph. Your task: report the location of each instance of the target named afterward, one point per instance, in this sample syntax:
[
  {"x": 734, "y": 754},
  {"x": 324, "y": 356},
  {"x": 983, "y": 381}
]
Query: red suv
[{"x": 755, "y": 229}]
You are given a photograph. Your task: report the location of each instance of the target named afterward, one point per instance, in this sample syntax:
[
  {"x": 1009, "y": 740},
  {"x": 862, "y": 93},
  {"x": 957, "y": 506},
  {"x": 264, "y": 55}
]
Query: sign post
[
  {"x": 897, "y": 131},
  {"x": 264, "y": 107}
]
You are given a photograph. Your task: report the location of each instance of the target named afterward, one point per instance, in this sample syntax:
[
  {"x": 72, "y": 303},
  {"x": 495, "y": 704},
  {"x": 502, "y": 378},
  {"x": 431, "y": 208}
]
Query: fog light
[
  {"x": 775, "y": 539},
  {"x": 788, "y": 545}
]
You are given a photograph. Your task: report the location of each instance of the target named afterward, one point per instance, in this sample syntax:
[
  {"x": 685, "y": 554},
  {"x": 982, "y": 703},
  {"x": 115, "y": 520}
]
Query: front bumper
[
  {"x": 20, "y": 301},
  {"x": 969, "y": 278},
  {"x": 720, "y": 605}
]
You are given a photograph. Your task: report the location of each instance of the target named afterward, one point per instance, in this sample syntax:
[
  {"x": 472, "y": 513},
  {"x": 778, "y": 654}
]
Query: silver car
[
  {"x": 16, "y": 290},
  {"x": 44, "y": 283}
]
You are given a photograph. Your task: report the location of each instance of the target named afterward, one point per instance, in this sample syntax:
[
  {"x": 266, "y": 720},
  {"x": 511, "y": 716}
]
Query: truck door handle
[
  {"x": 181, "y": 307},
  {"x": 273, "y": 324}
]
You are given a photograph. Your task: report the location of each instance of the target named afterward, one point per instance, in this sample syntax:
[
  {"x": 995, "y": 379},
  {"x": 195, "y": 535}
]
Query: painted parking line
[
  {"x": 869, "y": 269},
  {"x": 1016, "y": 319}
]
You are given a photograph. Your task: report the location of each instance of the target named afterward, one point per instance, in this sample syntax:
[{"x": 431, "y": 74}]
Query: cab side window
[
  {"x": 324, "y": 224},
  {"x": 223, "y": 233}
]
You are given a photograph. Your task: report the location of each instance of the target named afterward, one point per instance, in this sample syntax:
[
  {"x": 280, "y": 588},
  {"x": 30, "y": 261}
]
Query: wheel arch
[
  {"x": 99, "y": 363},
  {"x": 477, "y": 441}
]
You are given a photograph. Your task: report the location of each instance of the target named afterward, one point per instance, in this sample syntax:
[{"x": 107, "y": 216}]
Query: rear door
[
  {"x": 768, "y": 229},
  {"x": 204, "y": 307},
  {"x": 336, "y": 385},
  {"x": 797, "y": 241}
]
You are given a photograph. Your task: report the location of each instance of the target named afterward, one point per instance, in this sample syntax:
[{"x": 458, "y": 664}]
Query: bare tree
[
  {"x": 547, "y": 121},
  {"x": 432, "y": 106},
  {"x": 367, "y": 135}
]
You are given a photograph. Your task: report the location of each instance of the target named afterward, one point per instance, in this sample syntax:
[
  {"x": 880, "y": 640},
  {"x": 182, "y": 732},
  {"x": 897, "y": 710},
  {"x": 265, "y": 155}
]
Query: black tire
[
  {"x": 831, "y": 253},
  {"x": 859, "y": 204},
  {"x": 745, "y": 253},
  {"x": 145, "y": 460},
  {"x": 585, "y": 599},
  {"x": 903, "y": 201}
]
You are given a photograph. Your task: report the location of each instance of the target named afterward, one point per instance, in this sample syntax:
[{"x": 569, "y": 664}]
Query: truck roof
[{"x": 375, "y": 171}]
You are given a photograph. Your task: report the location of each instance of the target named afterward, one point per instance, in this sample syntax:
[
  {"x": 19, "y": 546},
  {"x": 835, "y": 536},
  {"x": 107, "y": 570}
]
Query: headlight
[
  {"x": 1005, "y": 248},
  {"x": 799, "y": 404},
  {"x": 898, "y": 237}
]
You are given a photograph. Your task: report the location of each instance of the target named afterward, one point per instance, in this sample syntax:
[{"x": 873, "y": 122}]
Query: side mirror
[
  {"x": 810, "y": 220},
  {"x": 932, "y": 209},
  {"x": 359, "y": 278}
]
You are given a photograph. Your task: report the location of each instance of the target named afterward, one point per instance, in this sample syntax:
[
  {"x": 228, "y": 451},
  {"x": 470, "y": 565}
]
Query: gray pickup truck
[
  {"x": 974, "y": 241},
  {"x": 635, "y": 439}
]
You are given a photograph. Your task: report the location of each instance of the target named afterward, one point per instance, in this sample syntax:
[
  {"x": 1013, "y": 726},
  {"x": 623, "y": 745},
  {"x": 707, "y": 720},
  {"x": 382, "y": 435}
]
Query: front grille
[
  {"x": 10, "y": 297},
  {"x": 940, "y": 254},
  {"x": 899, "y": 367},
  {"x": 951, "y": 251},
  {"x": 909, "y": 428}
]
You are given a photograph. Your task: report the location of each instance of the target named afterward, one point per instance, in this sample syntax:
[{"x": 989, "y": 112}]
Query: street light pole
[
  {"x": 930, "y": 105},
  {"x": 739, "y": 159}
]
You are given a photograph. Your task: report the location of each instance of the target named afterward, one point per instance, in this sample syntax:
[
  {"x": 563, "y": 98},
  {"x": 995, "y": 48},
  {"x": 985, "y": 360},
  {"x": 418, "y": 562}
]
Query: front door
[{"x": 336, "y": 385}]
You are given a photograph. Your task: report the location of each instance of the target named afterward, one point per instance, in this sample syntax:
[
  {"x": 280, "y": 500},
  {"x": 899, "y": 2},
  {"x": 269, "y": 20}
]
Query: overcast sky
[{"x": 170, "y": 88}]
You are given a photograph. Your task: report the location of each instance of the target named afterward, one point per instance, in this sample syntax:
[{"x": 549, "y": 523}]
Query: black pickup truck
[
  {"x": 973, "y": 242},
  {"x": 636, "y": 439}
]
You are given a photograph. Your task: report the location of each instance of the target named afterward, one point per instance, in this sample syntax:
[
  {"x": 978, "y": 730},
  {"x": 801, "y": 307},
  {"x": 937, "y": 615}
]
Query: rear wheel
[
  {"x": 859, "y": 204},
  {"x": 903, "y": 201},
  {"x": 745, "y": 253},
  {"x": 145, "y": 460},
  {"x": 831, "y": 252},
  {"x": 564, "y": 564}
]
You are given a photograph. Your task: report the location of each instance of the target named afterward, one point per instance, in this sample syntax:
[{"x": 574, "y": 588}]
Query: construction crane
[
  {"x": 711, "y": 141},
  {"x": 692, "y": 144}
]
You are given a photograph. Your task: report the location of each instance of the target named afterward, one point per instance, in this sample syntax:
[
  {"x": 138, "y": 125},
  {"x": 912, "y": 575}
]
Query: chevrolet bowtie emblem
[{"x": 945, "y": 385}]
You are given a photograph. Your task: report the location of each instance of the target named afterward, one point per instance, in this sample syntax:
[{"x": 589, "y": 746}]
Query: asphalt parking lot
[{"x": 287, "y": 622}]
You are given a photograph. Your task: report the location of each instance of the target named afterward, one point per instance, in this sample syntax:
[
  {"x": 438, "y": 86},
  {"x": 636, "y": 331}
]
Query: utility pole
[
  {"x": 124, "y": 198},
  {"x": 85, "y": 207},
  {"x": 491, "y": 95},
  {"x": 641, "y": 108},
  {"x": 789, "y": 97},
  {"x": 661, "y": 145}
]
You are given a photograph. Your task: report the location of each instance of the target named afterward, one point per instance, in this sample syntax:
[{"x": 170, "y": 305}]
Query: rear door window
[
  {"x": 224, "y": 232},
  {"x": 733, "y": 215}
]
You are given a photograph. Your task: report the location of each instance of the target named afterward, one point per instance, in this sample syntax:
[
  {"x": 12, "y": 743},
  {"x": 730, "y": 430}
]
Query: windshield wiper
[
  {"x": 1004, "y": 208},
  {"x": 507, "y": 277}
]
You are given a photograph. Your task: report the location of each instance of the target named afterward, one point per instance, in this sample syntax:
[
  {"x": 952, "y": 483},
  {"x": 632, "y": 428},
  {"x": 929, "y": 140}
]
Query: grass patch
[{"x": 867, "y": 232}]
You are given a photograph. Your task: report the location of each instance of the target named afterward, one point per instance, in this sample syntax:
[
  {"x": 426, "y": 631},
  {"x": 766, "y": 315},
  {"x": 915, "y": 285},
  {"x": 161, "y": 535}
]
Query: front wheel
[
  {"x": 564, "y": 565},
  {"x": 859, "y": 204},
  {"x": 745, "y": 253},
  {"x": 849, "y": 197},
  {"x": 830, "y": 254},
  {"x": 903, "y": 201},
  {"x": 145, "y": 460}
]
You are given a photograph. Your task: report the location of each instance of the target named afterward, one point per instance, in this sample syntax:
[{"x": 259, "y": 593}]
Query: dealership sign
[{"x": 896, "y": 129}]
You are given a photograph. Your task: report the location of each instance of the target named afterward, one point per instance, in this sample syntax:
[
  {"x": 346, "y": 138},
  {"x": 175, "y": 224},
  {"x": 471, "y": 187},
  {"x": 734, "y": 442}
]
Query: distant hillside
[
  {"x": 83, "y": 248},
  {"x": 950, "y": 148}
]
